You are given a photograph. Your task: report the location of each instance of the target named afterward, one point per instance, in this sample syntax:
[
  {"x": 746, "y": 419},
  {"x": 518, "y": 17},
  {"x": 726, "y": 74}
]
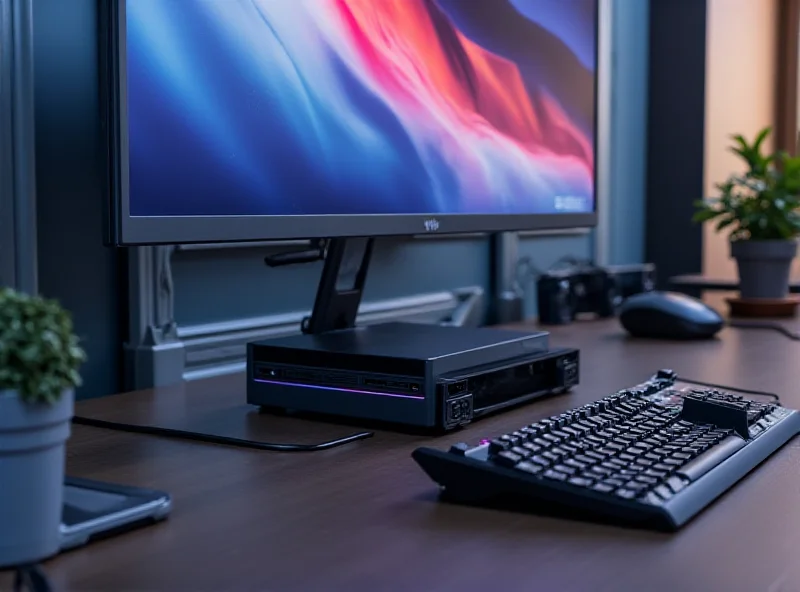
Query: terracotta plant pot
[
  {"x": 32, "y": 455},
  {"x": 764, "y": 267}
]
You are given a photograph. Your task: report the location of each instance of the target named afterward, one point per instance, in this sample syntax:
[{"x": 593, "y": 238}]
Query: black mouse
[{"x": 669, "y": 315}]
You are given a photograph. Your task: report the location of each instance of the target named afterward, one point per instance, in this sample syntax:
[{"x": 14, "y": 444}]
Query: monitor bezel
[{"x": 127, "y": 230}]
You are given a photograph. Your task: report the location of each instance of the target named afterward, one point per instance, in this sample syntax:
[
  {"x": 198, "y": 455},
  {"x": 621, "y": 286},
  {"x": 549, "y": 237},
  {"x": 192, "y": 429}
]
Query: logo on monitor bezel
[{"x": 431, "y": 225}]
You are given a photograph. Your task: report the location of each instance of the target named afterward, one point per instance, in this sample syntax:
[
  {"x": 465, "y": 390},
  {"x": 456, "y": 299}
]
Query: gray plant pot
[
  {"x": 764, "y": 267},
  {"x": 32, "y": 455}
]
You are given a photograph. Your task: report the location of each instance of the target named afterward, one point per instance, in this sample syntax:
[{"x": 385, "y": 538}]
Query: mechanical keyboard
[{"x": 654, "y": 455}]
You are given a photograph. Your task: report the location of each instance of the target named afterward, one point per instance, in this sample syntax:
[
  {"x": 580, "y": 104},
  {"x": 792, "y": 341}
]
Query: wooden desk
[{"x": 364, "y": 517}]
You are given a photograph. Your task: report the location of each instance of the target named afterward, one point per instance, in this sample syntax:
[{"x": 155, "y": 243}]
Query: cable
[
  {"x": 793, "y": 335},
  {"x": 214, "y": 439},
  {"x": 32, "y": 579},
  {"x": 772, "y": 396}
]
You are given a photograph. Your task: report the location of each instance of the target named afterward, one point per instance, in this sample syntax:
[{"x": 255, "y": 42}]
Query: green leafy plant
[
  {"x": 39, "y": 353},
  {"x": 761, "y": 203}
]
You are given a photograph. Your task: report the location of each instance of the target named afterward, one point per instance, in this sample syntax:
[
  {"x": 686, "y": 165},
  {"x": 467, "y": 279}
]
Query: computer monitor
[{"x": 240, "y": 120}]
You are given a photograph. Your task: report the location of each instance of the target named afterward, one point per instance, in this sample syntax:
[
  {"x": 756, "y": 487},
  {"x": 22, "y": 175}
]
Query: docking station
[{"x": 442, "y": 377}]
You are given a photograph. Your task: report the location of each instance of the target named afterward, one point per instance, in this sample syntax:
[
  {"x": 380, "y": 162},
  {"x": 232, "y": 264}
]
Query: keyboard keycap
[
  {"x": 498, "y": 444},
  {"x": 523, "y": 452},
  {"x": 507, "y": 458},
  {"x": 555, "y": 475},
  {"x": 580, "y": 481},
  {"x": 529, "y": 467},
  {"x": 567, "y": 470},
  {"x": 676, "y": 484}
]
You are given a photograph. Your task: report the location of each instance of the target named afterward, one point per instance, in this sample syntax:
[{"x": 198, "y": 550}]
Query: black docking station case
[{"x": 426, "y": 376}]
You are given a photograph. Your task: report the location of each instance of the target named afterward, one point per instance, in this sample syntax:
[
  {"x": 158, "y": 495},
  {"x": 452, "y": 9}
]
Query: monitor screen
[{"x": 361, "y": 110}]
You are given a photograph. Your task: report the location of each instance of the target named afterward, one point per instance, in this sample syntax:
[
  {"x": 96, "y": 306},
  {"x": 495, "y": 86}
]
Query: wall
[
  {"x": 74, "y": 267},
  {"x": 622, "y": 149},
  {"x": 228, "y": 286},
  {"x": 740, "y": 81}
]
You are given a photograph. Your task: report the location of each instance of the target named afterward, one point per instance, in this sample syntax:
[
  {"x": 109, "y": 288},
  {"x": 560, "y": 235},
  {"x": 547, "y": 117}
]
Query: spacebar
[{"x": 701, "y": 465}]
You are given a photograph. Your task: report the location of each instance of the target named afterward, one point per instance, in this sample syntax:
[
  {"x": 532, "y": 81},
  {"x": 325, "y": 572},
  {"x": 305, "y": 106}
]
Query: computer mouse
[{"x": 668, "y": 315}]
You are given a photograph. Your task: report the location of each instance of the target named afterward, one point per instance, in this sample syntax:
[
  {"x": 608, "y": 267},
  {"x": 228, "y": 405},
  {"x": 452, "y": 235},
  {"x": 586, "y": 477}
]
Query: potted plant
[
  {"x": 760, "y": 209},
  {"x": 39, "y": 361}
]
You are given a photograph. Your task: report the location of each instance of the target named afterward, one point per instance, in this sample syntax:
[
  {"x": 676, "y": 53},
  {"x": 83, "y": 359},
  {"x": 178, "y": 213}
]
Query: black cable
[
  {"x": 214, "y": 439},
  {"x": 772, "y": 396},
  {"x": 31, "y": 578},
  {"x": 793, "y": 335}
]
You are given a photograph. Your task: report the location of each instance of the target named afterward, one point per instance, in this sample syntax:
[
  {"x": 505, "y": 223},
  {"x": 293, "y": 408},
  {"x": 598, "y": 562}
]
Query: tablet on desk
[{"x": 93, "y": 509}]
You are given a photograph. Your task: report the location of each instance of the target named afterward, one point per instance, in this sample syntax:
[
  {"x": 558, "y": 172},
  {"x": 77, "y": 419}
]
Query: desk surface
[{"x": 364, "y": 517}]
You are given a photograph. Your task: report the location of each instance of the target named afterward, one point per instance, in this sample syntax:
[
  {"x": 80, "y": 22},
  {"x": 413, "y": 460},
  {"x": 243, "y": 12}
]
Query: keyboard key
[
  {"x": 646, "y": 479},
  {"x": 663, "y": 492},
  {"x": 571, "y": 462},
  {"x": 507, "y": 458},
  {"x": 580, "y": 481},
  {"x": 614, "y": 482},
  {"x": 498, "y": 444},
  {"x": 555, "y": 475},
  {"x": 523, "y": 452},
  {"x": 541, "y": 461},
  {"x": 675, "y": 484},
  {"x": 603, "y": 488},
  {"x": 625, "y": 494},
  {"x": 653, "y": 498},
  {"x": 529, "y": 467},
  {"x": 567, "y": 470}
]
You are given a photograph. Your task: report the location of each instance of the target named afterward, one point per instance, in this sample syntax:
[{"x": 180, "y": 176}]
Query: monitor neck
[{"x": 341, "y": 285}]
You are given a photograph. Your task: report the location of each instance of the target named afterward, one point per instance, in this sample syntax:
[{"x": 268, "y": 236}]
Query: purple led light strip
[{"x": 339, "y": 389}]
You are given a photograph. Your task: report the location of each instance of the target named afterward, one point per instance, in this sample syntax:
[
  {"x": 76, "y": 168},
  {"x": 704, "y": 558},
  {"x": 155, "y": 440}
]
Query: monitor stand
[{"x": 341, "y": 286}]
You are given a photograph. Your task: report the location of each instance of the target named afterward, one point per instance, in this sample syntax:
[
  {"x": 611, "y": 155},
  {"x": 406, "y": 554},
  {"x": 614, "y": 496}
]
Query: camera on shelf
[{"x": 564, "y": 294}]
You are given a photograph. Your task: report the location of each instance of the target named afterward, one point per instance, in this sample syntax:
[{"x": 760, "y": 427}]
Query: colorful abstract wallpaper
[{"x": 288, "y": 107}]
